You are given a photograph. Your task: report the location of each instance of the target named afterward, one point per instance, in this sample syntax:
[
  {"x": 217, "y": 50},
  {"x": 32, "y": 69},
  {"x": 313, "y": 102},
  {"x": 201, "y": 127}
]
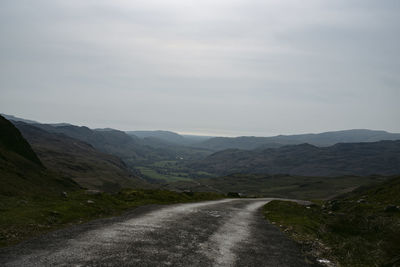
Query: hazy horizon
[
  {"x": 189, "y": 133},
  {"x": 225, "y": 68}
]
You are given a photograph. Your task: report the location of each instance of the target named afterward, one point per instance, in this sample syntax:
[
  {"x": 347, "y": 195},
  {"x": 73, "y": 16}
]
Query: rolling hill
[{"x": 341, "y": 159}]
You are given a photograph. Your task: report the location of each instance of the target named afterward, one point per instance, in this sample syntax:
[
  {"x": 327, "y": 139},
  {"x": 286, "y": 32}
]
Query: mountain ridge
[
  {"x": 319, "y": 139},
  {"x": 361, "y": 159}
]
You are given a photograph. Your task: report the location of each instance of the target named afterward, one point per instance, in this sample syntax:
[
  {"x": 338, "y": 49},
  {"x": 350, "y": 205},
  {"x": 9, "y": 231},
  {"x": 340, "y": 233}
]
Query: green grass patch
[
  {"x": 163, "y": 175},
  {"x": 361, "y": 228},
  {"x": 166, "y": 164}
]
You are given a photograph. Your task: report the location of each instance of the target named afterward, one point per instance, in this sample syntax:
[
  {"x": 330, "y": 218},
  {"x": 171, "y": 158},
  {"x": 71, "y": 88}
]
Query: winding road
[{"x": 230, "y": 232}]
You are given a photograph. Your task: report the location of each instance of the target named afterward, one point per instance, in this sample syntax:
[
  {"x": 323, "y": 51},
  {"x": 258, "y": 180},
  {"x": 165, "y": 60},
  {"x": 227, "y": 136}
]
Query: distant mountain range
[
  {"x": 130, "y": 148},
  {"x": 252, "y": 142},
  {"x": 154, "y": 138},
  {"x": 13, "y": 118},
  {"x": 171, "y": 137},
  {"x": 350, "y": 152},
  {"x": 381, "y": 157},
  {"x": 152, "y": 146},
  {"x": 321, "y": 139}
]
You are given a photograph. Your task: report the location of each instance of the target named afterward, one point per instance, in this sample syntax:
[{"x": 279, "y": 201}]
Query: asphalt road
[{"x": 213, "y": 233}]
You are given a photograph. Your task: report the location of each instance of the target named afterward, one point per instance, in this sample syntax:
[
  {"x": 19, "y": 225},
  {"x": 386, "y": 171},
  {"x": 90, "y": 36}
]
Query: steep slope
[
  {"x": 79, "y": 161},
  {"x": 130, "y": 149},
  {"x": 12, "y": 140},
  {"x": 341, "y": 159},
  {"x": 21, "y": 172},
  {"x": 321, "y": 139}
]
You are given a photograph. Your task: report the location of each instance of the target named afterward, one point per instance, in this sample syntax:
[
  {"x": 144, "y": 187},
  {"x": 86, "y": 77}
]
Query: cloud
[{"x": 238, "y": 67}]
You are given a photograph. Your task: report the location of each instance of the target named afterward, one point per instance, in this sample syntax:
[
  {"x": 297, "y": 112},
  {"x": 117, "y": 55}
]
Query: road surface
[{"x": 213, "y": 233}]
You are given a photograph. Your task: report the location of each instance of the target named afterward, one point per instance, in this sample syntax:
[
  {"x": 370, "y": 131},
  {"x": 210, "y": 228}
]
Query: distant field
[
  {"x": 170, "y": 171},
  {"x": 170, "y": 177}
]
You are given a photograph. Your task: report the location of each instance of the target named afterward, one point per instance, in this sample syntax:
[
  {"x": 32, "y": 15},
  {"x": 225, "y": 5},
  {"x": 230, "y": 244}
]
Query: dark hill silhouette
[
  {"x": 11, "y": 139},
  {"x": 21, "y": 171}
]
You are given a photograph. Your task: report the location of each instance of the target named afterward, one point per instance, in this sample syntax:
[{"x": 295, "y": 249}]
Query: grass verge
[
  {"x": 361, "y": 228},
  {"x": 25, "y": 217}
]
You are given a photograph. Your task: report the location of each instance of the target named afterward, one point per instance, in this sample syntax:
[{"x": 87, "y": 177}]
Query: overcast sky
[{"x": 219, "y": 67}]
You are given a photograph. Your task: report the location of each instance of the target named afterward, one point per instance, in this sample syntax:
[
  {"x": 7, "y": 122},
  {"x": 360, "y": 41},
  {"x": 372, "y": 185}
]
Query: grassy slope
[
  {"x": 20, "y": 177},
  {"x": 354, "y": 230},
  {"x": 79, "y": 161}
]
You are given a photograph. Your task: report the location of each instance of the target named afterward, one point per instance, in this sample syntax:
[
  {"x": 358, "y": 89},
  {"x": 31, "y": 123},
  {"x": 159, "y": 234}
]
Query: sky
[{"x": 226, "y": 67}]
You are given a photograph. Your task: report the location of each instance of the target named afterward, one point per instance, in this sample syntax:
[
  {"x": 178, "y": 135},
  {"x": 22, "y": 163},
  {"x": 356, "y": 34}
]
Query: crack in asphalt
[{"x": 213, "y": 233}]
